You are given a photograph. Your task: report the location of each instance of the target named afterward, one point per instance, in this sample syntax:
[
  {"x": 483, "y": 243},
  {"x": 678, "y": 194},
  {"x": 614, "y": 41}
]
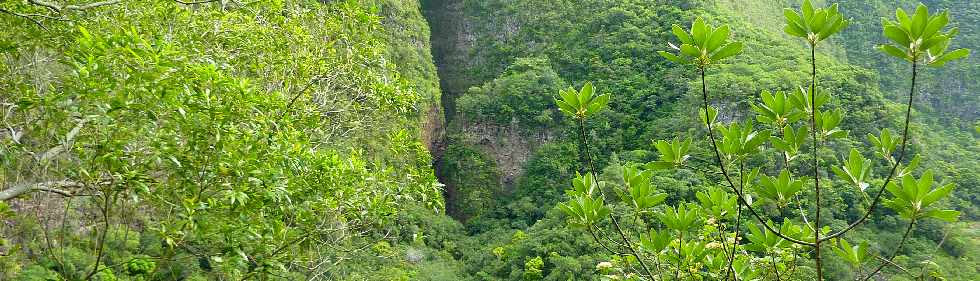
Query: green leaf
[
  {"x": 894, "y": 51},
  {"x": 919, "y": 21},
  {"x": 793, "y": 18},
  {"x": 808, "y": 12},
  {"x": 690, "y": 51},
  {"x": 794, "y": 30},
  {"x": 597, "y": 104},
  {"x": 585, "y": 95},
  {"x": 727, "y": 51},
  {"x": 903, "y": 19},
  {"x": 717, "y": 38},
  {"x": 682, "y": 35},
  {"x": 699, "y": 32},
  {"x": 712, "y": 115},
  {"x": 674, "y": 58},
  {"x": 897, "y": 35},
  {"x": 935, "y": 24},
  {"x": 944, "y": 215},
  {"x": 951, "y": 56},
  {"x": 936, "y": 195}
]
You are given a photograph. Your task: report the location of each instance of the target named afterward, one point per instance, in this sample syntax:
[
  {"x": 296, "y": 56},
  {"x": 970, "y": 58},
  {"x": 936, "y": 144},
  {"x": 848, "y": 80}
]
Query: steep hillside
[{"x": 483, "y": 47}]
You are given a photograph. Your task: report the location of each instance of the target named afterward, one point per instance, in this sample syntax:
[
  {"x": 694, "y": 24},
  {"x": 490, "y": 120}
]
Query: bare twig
[
  {"x": 195, "y": 2},
  {"x": 29, "y": 17},
  {"x": 595, "y": 178},
  {"x": 731, "y": 183}
]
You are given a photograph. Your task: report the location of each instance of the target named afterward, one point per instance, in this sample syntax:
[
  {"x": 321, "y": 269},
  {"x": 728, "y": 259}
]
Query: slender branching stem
[
  {"x": 595, "y": 178},
  {"x": 901, "y": 156},
  {"x": 738, "y": 222},
  {"x": 598, "y": 241},
  {"x": 724, "y": 171},
  {"x": 775, "y": 270},
  {"x": 908, "y": 230},
  {"x": 109, "y": 199},
  {"x": 816, "y": 158}
]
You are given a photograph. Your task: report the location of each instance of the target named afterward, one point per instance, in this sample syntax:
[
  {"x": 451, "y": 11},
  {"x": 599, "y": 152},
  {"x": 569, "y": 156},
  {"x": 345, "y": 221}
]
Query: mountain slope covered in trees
[
  {"x": 421, "y": 140},
  {"x": 490, "y": 52}
]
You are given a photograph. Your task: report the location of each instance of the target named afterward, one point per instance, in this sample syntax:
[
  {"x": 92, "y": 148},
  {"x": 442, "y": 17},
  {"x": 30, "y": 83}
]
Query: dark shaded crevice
[{"x": 444, "y": 25}]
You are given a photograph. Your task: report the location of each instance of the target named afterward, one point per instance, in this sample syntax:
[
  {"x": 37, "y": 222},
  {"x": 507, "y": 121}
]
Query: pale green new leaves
[
  {"x": 703, "y": 45},
  {"x": 919, "y": 38},
  {"x": 791, "y": 141},
  {"x": 682, "y": 218},
  {"x": 885, "y": 144},
  {"x": 856, "y": 170},
  {"x": 744, "y": 269},
  {"x": 814, "y": 24},
  {"x": 778, "y": 189},
  {"x": 763, "y": 240},
  {"x": 585, "y": 185},
  {"x": 829, "y": 122},
  {"x": 582, "y": 208},
  {"x": 639, "y": 193},
  {"x": 712, "y": 115},
  {"x": 717, "y": 203},
  {"x": 856, "y": 255},
  {"x": 801, "y": 99},
  {"x": 776, "y": 109},
  {"x": 740, "y": 140},
  {"x": 914, "y": 198},
  {"x": 672, "y": 154},
  {"x": 582, "y": 103},
  {"x": 655, "y": 241}
]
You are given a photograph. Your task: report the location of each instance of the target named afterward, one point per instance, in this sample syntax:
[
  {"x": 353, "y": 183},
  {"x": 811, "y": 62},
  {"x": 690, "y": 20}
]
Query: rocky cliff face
[
  {"x": 482, "y": 154},
  {"x": 510, "y": 146}
]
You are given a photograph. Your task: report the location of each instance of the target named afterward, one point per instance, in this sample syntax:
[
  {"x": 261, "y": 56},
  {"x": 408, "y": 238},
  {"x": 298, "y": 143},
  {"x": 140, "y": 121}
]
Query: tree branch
[
  {"x": 57, "y": 187},
  {"x": 891, "y": 175},
  {"x": 29, "y": 17},
  {"x": 73, "y": 7},
  {"x": 595, "y": 178},
  {"x": 195, "y": 2},
  {"x": 905, "y": 237},
  {"x": 731, "y": 184}
]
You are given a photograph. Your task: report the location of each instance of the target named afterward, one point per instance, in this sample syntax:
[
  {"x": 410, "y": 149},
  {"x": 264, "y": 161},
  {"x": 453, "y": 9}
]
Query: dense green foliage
[{"x": 211, "y": 141}]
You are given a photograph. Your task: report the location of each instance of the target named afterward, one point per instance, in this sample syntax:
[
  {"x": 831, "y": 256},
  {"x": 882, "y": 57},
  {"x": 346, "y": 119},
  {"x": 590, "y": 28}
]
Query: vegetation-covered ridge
[{"x": 614, "y": 45}]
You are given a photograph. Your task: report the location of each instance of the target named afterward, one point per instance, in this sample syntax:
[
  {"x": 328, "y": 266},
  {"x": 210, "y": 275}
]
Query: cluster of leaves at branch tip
[
  {"x": 814, "y": 24},
  {"x": 580, "y": 104},
  {"x": 702, "y": 46},
  {"x": 780, "y": 114},
  {"x": 919, "y": 37}
]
